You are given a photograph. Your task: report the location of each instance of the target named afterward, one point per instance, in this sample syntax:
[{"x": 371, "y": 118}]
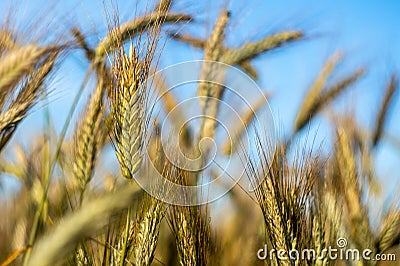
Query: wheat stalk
[
  {"x": 392, "y": 87},
  {"x": 246, "y": 118},
  {"x": 18, "y": 63},
  {"x": 190, "y": 224},
  {"x": 170, "y": 102}
]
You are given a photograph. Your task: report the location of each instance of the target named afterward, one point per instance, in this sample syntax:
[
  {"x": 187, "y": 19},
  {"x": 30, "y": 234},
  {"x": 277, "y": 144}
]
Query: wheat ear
[
  {"x": 88, "y": 138},
  {"x": 357, "y": 218},
  {"x": 128, "y": 105},
  {"x": 314, "y": 92},
  {"x": 132, "y": 28},
  {"x": 211, "y": 93},
  {"x": 381, "y": 119},
  {"x": 327, "y": 96},
  {"x": 18, "y": 63},
  {"x": 246, "y": 65},
  {"x": 252, "y": 49},
  {"x": 390, "y": 234},
  {"x": 90, "y": 217},
  {"x": 26, "y": 98}
]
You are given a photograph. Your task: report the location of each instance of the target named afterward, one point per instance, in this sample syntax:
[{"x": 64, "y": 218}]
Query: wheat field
[{"x": 284, "y": 190}]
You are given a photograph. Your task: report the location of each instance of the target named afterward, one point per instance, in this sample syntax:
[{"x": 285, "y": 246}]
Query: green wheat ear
[
  {"x": 128, "y": 111},
  {"x": 88, "y": 138},
  {"x": 129, "y": 92}
]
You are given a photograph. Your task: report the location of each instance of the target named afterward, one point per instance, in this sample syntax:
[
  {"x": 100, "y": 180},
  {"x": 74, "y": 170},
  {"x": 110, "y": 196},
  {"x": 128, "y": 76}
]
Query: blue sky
[{"x": 367, "y": 32}]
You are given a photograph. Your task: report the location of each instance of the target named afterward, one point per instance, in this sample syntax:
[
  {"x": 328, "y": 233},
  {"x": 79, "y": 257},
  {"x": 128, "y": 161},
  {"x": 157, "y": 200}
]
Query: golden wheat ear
[
  {"x": 163, "y": 6},
  {"x": 28, "y": 67},
  {"x": 88, "y": 139},
  {"x": 314, "y": 92},
  {"x": 130, "y": 94},
  {"x": 231, "y": 145},
  {"x": 389, "y": 236},
  {"x": 146, "y": 230},
  {"x": 208, "y": 93},
  {"x": 53, "y": 248},
  {"x": 7, "y": 40},
  {"x": 312, "y": 106},
  {"x": 133, "y": 28},
  {"x": 284, "y": 185},
  {"x": 246, "y": 65},
  {"x": 357, "y": 216},
  {"x": 252, "y": 49},
  {"x": 128, "y": 110}
]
